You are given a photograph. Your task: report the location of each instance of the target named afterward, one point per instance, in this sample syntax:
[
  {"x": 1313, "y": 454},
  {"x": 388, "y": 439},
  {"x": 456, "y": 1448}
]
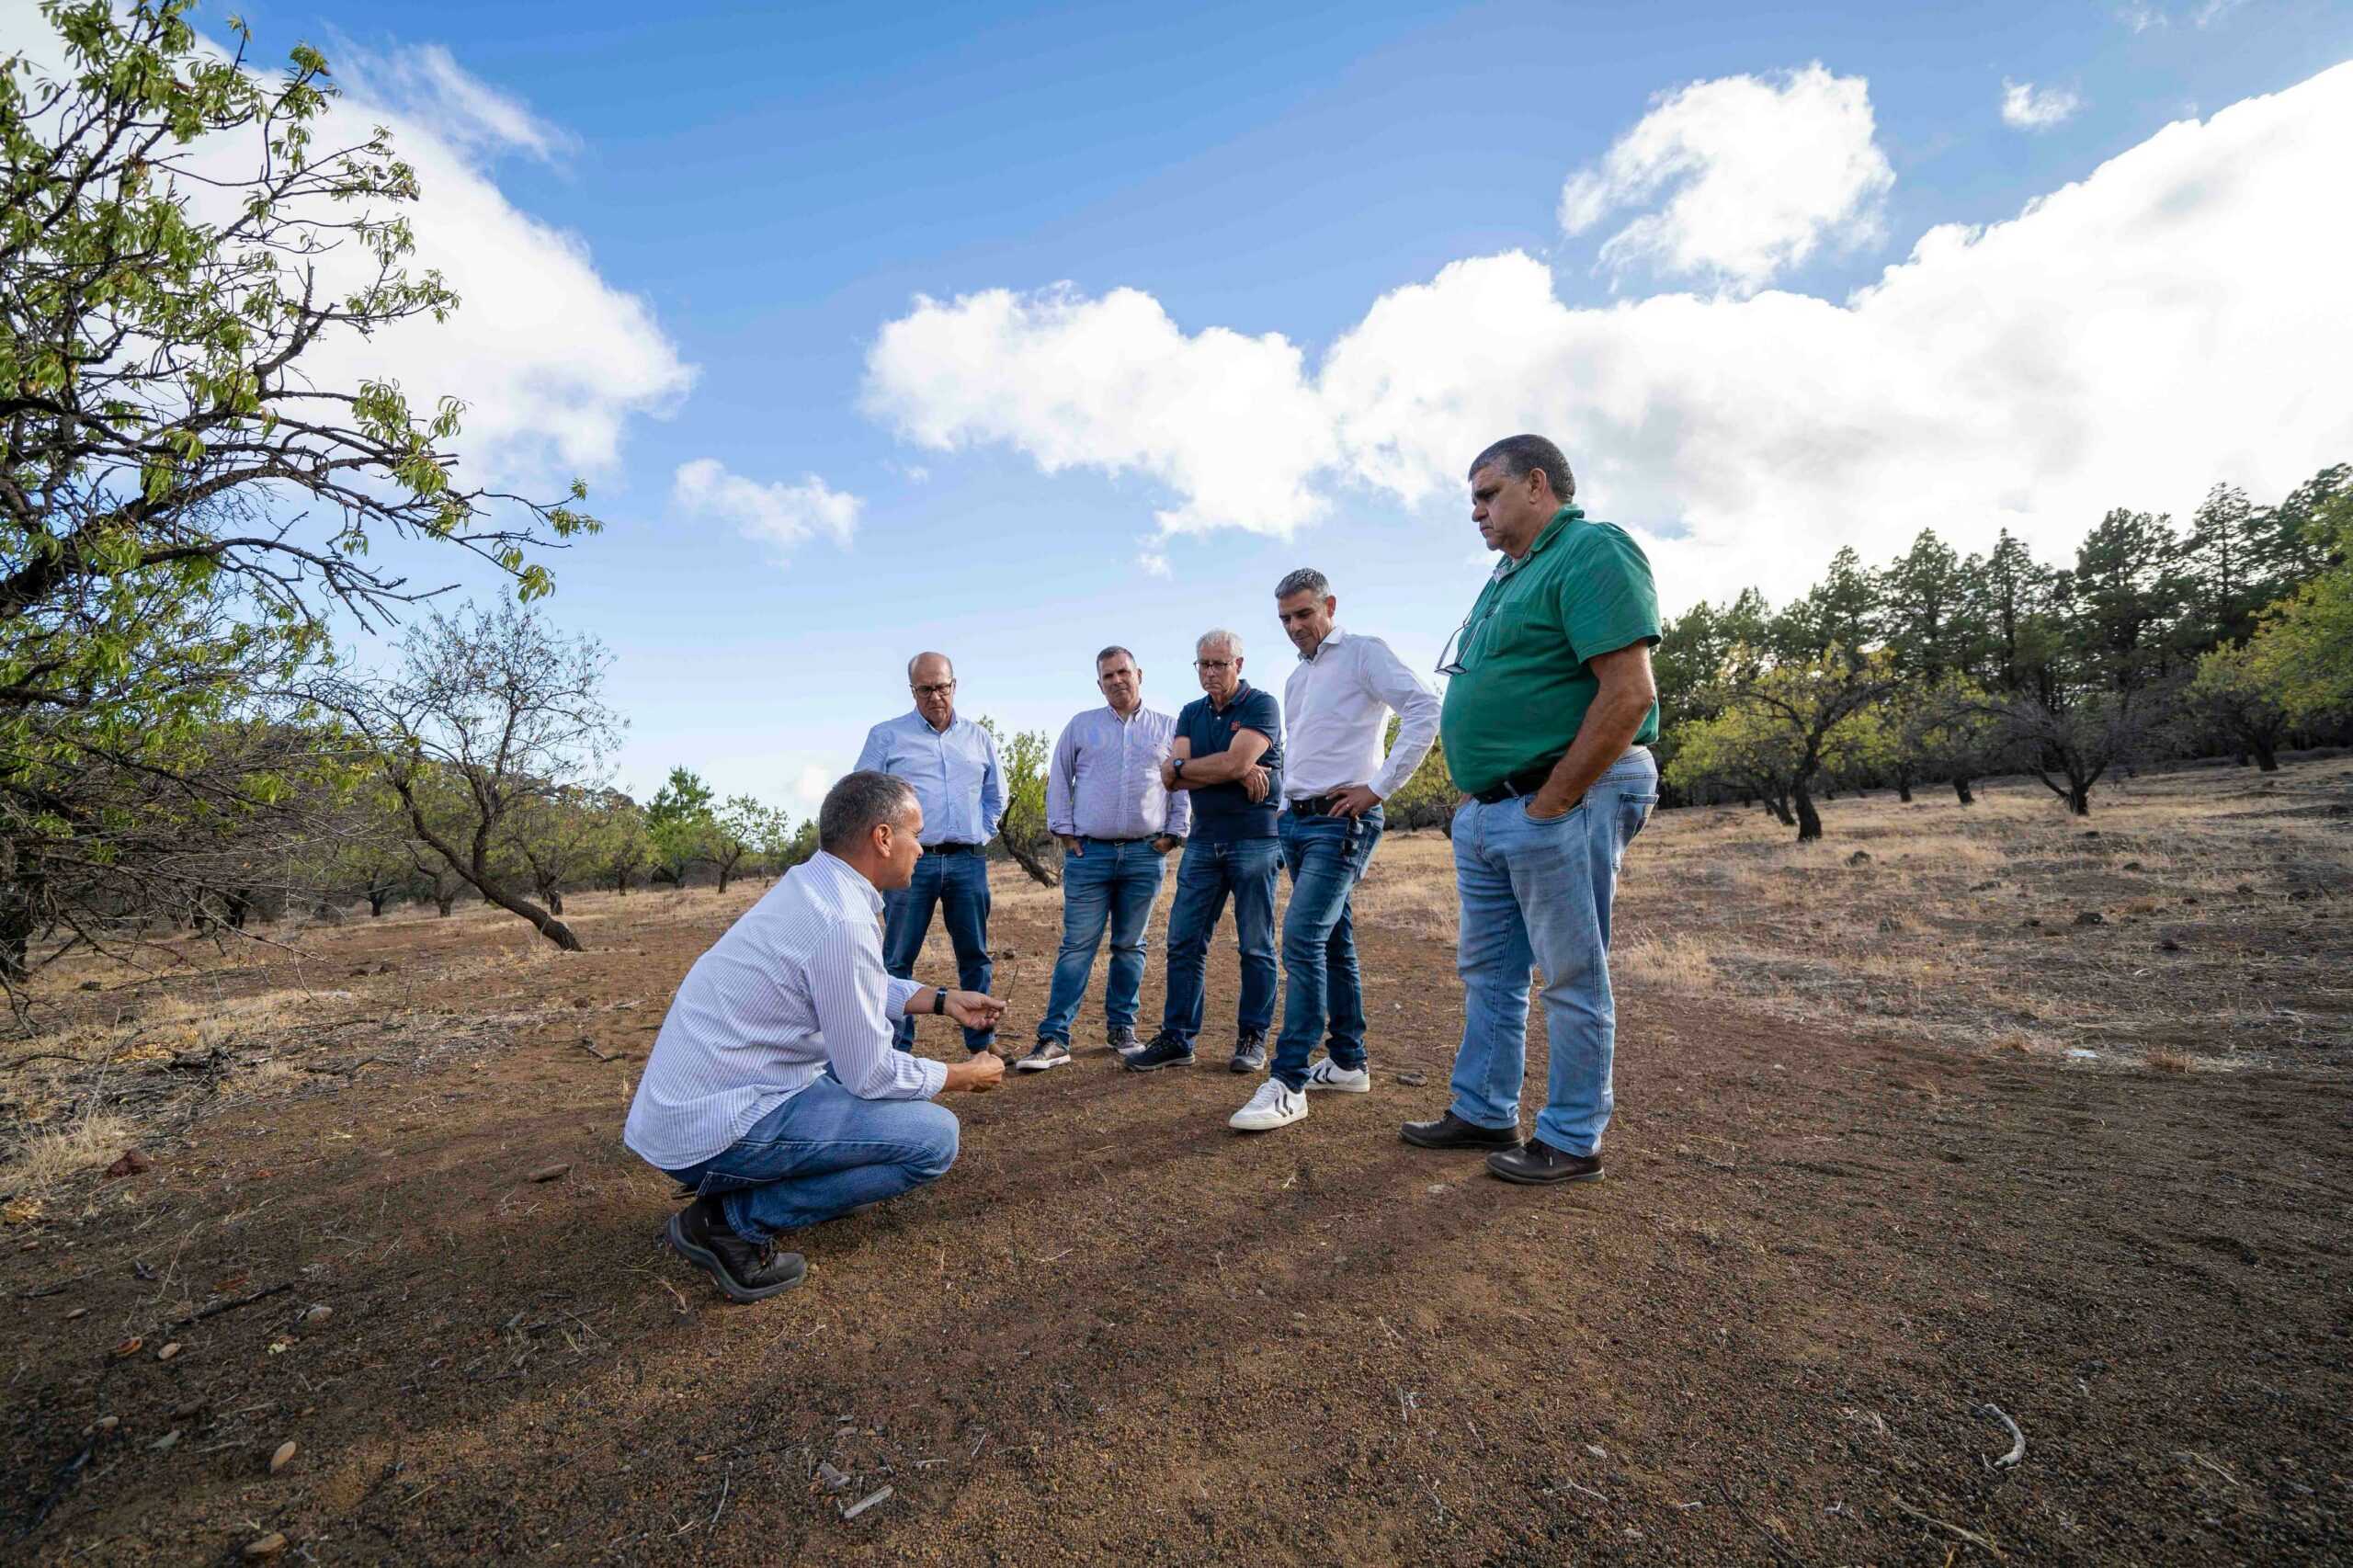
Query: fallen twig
[
  {"x": 231, "y": 1305},
  {"x": 725, "y": 1482},
  {"x": 2017, "y": 1439},
  {"x": 665, "y": 1285},
  {"x": 1972, "y": 1537},
  {"x": 585, "y": 1043},
  {"x": 1780, "y": 1550}
]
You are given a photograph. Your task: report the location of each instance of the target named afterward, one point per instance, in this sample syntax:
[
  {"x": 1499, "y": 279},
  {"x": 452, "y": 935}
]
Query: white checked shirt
[
  {"x": 1336, "y": 709},
  {"x": 796, "y": 985}
]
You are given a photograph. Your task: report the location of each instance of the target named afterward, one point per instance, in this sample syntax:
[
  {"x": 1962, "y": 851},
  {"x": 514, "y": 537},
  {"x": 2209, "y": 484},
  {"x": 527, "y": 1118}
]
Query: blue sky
[{"x": 777, "y": 185}]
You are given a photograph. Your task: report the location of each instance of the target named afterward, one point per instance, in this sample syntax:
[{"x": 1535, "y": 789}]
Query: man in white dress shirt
[
  {"x": 1337, "y": 704},
  {"x": 773, "y": 1089}
]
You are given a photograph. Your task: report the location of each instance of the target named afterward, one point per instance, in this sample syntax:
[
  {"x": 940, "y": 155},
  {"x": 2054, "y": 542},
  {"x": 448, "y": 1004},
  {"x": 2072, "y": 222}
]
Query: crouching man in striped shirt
[{"x": 773, "y": 1089}]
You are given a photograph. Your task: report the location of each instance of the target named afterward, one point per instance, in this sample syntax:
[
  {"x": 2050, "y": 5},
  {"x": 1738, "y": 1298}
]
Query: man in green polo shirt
[{"x": 1549, "y": 704}]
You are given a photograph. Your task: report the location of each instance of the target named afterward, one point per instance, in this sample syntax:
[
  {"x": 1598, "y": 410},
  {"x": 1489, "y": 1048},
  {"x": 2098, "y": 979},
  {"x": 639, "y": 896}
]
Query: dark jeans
[
  {"x": 1104, "y": 884},
  {"x": 1325, "y": 857},
  {"x": 1245, "y": 868},
  {"x": 824, "y": 1152},
  {"x": 959, "y": 885}
]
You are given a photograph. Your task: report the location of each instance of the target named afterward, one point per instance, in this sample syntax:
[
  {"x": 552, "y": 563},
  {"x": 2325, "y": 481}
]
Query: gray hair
[
  {"x": 928, "y": 653},
  {"x": 1218, "y": 637},
  {"x": 1523, "y": 455},
  {"x": 859, "y": 801},
  {"x": 1306, "y": 580},
  {"x": 1113, "y": 652}
]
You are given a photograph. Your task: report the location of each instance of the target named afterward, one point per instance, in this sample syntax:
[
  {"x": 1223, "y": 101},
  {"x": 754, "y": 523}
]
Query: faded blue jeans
[
  {"x": 1102, "y": 884},
  {"x": 822, "y": 1154},
  {"x": 1244, "y": 867},
  {"x": 1326, "y": 857},
  {"x": 958, "y": 886},
  {"x": 1538, "y": 895}
]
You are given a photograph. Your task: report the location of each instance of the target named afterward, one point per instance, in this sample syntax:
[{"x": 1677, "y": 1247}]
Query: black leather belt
[
  {"x": 1310, "y": 806},
  {"x": 945, "y": 848},
  {"x": 1091, "y": 838},
  {"x": 1525, "y": 782}
]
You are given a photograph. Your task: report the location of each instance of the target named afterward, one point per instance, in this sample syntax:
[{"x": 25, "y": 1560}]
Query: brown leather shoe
[
  {"x": 1450, "y": 1132},
  {"x": 1537, "y": 1164},
  {"x": 748, "y": 1270}
]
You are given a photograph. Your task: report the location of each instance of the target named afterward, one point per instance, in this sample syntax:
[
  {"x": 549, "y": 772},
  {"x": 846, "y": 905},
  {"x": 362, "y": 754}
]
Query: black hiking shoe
[
  {"x": 1165, "y": 1051},
  {"x": 1249, "y": 1054},
  {"x": 1450, "y": 1132},
  {"x": 746, "y": 1270},
  {"x": 1537, "y": 1164}
]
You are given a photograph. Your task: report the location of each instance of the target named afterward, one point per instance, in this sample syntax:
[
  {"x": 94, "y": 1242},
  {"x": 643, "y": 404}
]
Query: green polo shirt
[{"x": 1583, "y": 590}]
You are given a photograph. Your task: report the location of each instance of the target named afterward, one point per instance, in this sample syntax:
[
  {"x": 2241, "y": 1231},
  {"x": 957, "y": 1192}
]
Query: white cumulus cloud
[
  {"x": 782, "y": 516},
  {"x": 2026, "y": 106},
  {"x": 1757, "y": 172},
  {"x": 1224, "y": 421},
  {"x": 2125, "y": 340},
  {"x": 427, "y": 82}
]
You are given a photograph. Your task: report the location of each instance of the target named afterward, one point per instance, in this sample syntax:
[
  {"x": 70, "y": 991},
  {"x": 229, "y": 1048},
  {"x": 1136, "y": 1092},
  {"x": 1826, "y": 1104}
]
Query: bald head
[{"x": 932, "y": 677}]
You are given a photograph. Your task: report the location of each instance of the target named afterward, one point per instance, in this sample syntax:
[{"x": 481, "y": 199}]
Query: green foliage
[
  {"x": 2303, "y": 652},
  {"x": 1023, "y": 830},
  {"x": 680, "y": 819}
]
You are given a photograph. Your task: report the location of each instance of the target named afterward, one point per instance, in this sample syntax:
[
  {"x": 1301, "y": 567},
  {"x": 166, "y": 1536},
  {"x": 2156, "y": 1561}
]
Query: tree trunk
[
  {"x": 18, "y": 901},
  {"x": 725, "y": 869},
  {"x": 555, "y": 901},
  {"x": 2266, "y": 756},
  {"x": 1809, "y": 820},
  {"x": 442, "y": 902},
  {"x": 1033, "y": 863},
  {"x": 1961, "y": 791},
  {"x": 2079, "y": 797},
  {"x": 239, "y": 905},
  {"x": 1779, "y": 805},
  {"x": 377, "y": 899}
]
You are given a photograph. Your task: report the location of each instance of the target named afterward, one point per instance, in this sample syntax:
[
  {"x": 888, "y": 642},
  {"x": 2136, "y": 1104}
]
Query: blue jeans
[
  {"x": 1325, "y": 857},
  {"x": 958, "y": 884},
  {"x": 1102, "y": 884},
  {"x": 1538, "y": 893},
  {"x": 1244, "y": 867},
  {"x": 822, "y": 1154}
]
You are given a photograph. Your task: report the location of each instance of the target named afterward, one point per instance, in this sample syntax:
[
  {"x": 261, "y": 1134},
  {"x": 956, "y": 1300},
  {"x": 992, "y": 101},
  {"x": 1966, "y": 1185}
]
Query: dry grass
[
  {"x": 52, "y": 1155},
  {"x": 2215, "y": 893}
]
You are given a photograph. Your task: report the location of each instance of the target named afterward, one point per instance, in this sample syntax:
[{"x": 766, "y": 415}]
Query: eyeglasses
[
  {"x": 1213, "y": 663},
  {"x": 941, "y": 690},
  {"x": 1450, "y": 658}
]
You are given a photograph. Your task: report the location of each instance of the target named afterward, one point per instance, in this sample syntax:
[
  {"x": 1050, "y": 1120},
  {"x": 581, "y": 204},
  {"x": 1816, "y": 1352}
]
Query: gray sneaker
[
  {"x": 1121, "y": 1038},
  {"x": 1045, "y": 1054},
  {"x": 1249, "y": 1054}
]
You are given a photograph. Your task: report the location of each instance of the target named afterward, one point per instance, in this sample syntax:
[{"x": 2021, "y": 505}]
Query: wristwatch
[
  {"x": 939, "y": 1001},
  {"x": 1177, "y": 766}
]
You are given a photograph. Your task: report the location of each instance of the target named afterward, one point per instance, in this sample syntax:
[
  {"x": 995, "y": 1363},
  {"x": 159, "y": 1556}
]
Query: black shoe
[
  {"x": 1121, "y": 1038},
  {"x": 1450, "y": 1132},
  {"x": 746, "y": 1270},
  {"x": 1249, "y": 1054},
  {"x": 1045, "y": 1054},
  {"x": 1165, "y": 1051},
  {"x": 1537, "y": 1164}
]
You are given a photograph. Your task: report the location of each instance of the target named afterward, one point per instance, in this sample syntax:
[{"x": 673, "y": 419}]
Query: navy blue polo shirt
[{"x": 1224, "y": 812}]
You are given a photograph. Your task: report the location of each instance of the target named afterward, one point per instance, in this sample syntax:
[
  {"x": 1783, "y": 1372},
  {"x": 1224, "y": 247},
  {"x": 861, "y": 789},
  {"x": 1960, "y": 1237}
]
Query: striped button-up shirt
[
  {"x": 955, "y": 772},
  {"x": 1105, "y": 781},
  {"x": 795, "y": 987}
]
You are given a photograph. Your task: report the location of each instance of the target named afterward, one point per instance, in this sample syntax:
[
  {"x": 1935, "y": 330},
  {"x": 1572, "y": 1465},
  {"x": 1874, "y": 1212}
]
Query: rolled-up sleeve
[
  {"x": 1417, "y": 709},
  {"x": 855, "y": 999}
]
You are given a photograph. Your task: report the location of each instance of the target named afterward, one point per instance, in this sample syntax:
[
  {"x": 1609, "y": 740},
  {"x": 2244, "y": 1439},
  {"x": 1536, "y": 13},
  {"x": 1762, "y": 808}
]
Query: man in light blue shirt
[
  {"x": 1117, "y": 820},
  {"x": 952, "y": 765}
]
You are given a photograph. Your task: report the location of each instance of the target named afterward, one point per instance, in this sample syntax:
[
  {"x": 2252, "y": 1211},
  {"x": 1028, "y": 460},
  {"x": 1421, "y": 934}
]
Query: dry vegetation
[{"x": 1863, "y": 1187}]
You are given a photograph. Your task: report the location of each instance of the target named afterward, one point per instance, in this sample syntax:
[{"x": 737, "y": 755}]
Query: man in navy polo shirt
[{"x": 1229, "y": 751}]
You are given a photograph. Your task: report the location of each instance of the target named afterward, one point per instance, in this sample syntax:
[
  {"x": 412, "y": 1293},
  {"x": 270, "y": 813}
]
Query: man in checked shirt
[{"x": 1117, "y": 823}]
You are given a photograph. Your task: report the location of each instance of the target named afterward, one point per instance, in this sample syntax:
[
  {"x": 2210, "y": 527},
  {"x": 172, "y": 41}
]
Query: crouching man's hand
[
  {"x": 980, "y": 1074},
  {"x": 975, "y": 1009}
]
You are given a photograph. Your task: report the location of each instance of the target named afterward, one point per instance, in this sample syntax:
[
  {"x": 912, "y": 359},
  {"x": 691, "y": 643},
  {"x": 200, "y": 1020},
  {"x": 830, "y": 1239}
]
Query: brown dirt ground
[{"x": 1849, "y": 1209}]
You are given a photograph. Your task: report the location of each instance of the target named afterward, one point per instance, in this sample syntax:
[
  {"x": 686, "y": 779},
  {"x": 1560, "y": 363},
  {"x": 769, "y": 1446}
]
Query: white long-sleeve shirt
[
  {"x": 1337, "y": 707},
  {"x": 795, "y": 987}
]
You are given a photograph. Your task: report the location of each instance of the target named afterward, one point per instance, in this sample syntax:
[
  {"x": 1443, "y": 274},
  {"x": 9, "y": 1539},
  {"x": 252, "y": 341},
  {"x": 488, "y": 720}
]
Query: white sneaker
[
  {"x": 1327, "y": 1075},
  {"x": 1273, "y": 1105}
]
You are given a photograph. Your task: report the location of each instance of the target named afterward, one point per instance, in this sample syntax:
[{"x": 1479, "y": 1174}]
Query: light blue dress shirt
[{"x": 955, "y": 772}]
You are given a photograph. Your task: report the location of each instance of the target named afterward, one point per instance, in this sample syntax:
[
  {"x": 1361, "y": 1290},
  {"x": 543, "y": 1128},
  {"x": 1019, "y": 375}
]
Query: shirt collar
[
  {"x": 1240, "y": 690},
  {"x": 915, "y": 717},
  {"x": 846, "y": 876},
  {"x": 1332, "y": 639}
]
